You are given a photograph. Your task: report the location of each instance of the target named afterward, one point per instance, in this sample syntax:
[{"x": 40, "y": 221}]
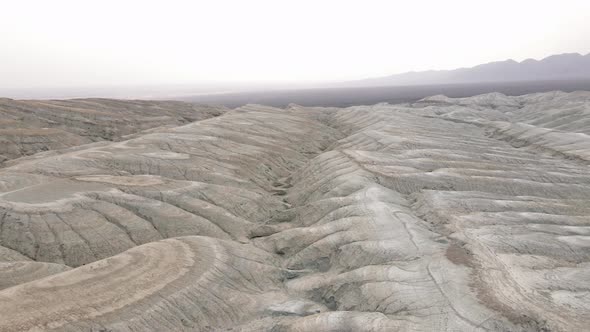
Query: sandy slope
[{"x": 31, "y": 126}]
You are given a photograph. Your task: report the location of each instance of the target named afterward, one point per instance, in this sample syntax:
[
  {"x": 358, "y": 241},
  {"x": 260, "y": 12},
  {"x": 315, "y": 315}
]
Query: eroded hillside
[
  {"x": 444, "y": 215},
  {"x": 31, "y": 126}
]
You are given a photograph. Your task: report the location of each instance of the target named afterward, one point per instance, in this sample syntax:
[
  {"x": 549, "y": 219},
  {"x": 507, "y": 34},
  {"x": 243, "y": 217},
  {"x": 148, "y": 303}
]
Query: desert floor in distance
[{"x": 467, "y": 214}]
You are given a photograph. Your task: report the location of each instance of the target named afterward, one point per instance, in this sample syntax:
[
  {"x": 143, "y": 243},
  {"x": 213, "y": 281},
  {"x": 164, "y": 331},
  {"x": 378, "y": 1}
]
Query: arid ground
[{"x": 444, "y": 214}]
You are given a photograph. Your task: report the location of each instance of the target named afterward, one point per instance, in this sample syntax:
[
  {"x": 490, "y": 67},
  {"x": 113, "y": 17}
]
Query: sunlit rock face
[{"x": 442, "y": 215}]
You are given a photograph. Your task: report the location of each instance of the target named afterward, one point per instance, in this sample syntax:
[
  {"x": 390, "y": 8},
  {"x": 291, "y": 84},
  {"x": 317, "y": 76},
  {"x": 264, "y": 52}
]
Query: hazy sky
[{"x": 81, "y": 43}]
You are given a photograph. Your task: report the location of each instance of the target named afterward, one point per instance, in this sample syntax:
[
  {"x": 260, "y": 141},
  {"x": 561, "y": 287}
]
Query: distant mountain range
[{"x": 569, "y": 66}]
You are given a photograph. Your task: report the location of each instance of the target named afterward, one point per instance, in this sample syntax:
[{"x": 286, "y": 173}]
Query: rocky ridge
[
  {"x": 31, "y": 126},
  {"x": 442, "y": 215}
]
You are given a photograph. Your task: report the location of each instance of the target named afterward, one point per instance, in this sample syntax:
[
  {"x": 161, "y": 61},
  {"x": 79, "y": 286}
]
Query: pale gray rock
[{"x": 448, "y": 214}]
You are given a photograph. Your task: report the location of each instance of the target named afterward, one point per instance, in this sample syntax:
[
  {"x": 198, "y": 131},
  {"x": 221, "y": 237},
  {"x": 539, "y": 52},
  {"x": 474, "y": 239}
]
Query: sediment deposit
[{"x": 442, "y": 215}]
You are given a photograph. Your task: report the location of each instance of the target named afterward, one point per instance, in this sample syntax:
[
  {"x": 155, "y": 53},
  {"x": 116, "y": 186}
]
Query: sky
[{"x": 61, "y": 43}]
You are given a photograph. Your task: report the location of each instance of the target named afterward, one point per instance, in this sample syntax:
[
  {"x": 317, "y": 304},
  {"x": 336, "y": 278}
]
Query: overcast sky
[{"x": 61, "y": 43}]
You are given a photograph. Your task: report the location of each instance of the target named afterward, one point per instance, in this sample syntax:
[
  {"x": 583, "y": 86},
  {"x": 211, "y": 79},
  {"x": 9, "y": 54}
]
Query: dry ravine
[{"x": 468, "y": 214}]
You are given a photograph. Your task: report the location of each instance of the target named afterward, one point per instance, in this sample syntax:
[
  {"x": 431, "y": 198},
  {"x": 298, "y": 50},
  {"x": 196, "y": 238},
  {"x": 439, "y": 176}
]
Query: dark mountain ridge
[{"x": 568, "y": 66}]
